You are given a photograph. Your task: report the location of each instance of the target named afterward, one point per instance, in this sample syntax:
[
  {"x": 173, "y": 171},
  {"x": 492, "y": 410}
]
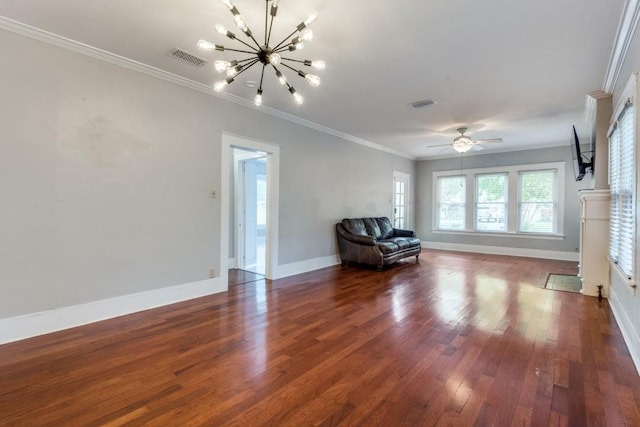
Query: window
[
  {"x": 518, "y": 200},
  {"x": 451, "y": 203},
  {"x": 491, "y": 202},
  {"x": 538, "y": 201},
  {"x": 621, "y": 177}
]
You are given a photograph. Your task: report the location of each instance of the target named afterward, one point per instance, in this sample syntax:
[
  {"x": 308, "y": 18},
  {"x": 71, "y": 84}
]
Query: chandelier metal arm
[
  {"x": 244, "y": 43},
  {"x": 241, "y": 51},
  {"x": 284, "y": 48},
  {"x": 262, "y": 76},
  {"x": 292, "y": 69},
  {"x": 285, "y": 39}
]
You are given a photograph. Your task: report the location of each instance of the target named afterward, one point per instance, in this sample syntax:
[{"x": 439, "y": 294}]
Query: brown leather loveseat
[{"x": 374, "y": 241}]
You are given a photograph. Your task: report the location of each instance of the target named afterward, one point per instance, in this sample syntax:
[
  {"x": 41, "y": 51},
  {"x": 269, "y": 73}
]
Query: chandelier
[{"x": 265, "y": 54}]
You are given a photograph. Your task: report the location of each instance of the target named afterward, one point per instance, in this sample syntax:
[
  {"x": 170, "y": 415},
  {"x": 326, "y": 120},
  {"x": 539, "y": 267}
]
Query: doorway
[
  {"x": 250, "y": 210},
  {"x": 262, "y": 161},
  {"x": 401, "y": 200}
]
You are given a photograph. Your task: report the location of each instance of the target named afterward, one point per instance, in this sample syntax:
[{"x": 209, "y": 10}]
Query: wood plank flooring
[{"x": 455, "y": 340}]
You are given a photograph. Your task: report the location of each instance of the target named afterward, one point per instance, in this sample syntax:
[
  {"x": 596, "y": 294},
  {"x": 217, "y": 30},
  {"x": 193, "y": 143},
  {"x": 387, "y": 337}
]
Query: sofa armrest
[
  {"x": 397, "y": 232},
  {"x": 356, "y": 238}
]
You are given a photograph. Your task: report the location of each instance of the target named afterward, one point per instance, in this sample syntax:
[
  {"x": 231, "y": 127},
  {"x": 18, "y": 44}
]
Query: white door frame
[{"x": 273, "y": 196}]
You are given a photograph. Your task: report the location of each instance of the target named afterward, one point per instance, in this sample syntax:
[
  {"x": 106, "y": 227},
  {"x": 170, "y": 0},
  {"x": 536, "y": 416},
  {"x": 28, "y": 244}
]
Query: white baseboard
[
  {"x": 503, "y": 250},
  {"x": 300, "y": 267},
  {"x": 34, "y": 324},
  {"x": 625, "y": 324}
]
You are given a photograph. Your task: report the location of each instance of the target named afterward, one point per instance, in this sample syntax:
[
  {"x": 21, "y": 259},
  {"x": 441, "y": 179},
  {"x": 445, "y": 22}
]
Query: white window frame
[
  {"x": 512, "y": 200},
  {"x": 626, "y": 273}
]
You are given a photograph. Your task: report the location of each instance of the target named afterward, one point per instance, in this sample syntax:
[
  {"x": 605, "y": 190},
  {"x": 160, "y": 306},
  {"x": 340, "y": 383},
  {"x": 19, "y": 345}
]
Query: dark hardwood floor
[{"x": 458, "y": 339}]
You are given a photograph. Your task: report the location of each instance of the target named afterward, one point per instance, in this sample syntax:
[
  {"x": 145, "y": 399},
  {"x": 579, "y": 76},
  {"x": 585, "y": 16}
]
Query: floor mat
[{"x": 563, "y": 282}]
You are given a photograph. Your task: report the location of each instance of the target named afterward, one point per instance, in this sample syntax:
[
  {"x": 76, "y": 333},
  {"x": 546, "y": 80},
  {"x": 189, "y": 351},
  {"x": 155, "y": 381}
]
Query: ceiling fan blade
[
  {"x": 478, "y": 147},
  {"x": 439, "y": 145},
  {"x": 483, "y": 141}
]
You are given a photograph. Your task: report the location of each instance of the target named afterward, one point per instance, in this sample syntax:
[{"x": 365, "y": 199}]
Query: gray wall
[
  {"x": 424, "y": 198},
  {"x": 105, "y": 178}
]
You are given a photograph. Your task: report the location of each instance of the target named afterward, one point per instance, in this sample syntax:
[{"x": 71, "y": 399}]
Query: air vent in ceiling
[
  {"x": 423, "y": 104},
  {"x": 186, "y": 57}
]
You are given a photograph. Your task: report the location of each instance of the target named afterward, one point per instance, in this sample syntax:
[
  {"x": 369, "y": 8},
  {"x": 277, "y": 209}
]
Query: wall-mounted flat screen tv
[{"x": 581, "y": 162}]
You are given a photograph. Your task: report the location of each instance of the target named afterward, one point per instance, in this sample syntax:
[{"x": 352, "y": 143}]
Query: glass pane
[
  {"x": 537, "y": 217},
  {"x": 491, "y": 206},
  {"x": 451, "y": 203},
  {"x": 537, "y": 207}
]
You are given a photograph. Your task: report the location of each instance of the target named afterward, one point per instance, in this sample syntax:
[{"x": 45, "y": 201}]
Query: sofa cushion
[
  {"x": 372, "y": 227},
  {"x": 355, "y": 226},
  {"x": 386, "y": 229},
  {"x": 404, "y": 242},
  {"x": 387, "y": 247}
]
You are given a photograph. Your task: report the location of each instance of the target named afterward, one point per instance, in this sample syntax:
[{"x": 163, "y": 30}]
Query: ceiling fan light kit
[
  {"x": 462, "y": 143},
  {"x": 266, "y": 54}
]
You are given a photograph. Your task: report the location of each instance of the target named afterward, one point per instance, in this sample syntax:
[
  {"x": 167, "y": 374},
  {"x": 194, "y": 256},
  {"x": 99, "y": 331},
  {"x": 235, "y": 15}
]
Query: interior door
[{"x": 401, "y": 200}]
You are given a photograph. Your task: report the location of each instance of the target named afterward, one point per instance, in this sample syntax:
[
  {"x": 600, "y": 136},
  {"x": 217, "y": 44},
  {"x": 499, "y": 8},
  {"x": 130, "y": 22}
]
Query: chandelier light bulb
[
  {"x": 298, "y": 98},
  {"x": 258, "y": 98},
  {"x": 297, "y": 43},
  {"x": 274, "y": 59},
  {"x": 318, "y": 65},
  {"x": 241, "y": 23},
  {"x": 313, "y": 80},
  {"x": 205, "y": 45},
  {"x": 281, "y": 77},
  {"x": 221, "y": 29},
  {"x": 228, "y": 4},
  {"x": 220, "y": 66},
  {"x": 311, "y": 19},
  {"x": 232, "y": 71},
  {"x": 306, "y": 35},
  {"x": 219, "y": 86}
]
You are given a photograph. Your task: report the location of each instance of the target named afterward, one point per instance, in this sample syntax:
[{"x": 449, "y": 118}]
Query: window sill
[
  {"x": 505, "y": 234},
  {"x": 615, "y": 269}
]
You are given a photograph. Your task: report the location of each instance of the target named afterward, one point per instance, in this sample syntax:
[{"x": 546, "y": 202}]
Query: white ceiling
[{"x": 519, "y": 70}]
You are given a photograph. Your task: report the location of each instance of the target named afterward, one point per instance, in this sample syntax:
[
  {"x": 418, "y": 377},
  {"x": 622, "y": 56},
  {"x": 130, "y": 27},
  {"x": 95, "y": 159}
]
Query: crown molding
[
  {"x": 121, "y": 61},
  {"x": 624, "y": 37}
]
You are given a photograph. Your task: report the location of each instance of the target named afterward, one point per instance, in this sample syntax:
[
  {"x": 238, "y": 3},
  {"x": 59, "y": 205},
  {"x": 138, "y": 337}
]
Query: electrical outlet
[{"x": 212, "y": 273}]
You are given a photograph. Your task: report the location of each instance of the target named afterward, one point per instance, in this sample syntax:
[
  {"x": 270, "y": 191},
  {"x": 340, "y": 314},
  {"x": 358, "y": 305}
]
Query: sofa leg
[
  {"x": 417, "y": 259},
  {"x": 379, "y": 268},
  {"x": 344, "y": 263}
]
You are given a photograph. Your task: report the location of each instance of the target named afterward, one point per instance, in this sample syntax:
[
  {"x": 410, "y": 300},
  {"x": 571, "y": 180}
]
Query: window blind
[{"x": 621, "y": 183}]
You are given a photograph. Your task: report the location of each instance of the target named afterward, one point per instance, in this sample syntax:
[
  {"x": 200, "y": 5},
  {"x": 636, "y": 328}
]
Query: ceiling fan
[{"x": 463, "y": 143}]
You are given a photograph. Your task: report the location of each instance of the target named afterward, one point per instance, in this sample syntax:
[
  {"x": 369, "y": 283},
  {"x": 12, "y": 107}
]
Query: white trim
[
  {"x": 515, "y": 235},
  {"x": 307, "y": 265},
  {"x": 629, "y": 334},
  {"x": 44, "y": 322},
  {"x": 502, "y": 250},
  {"x": 624, "y": 37},
  {"x": 111, "y": 58},
  {"x": 273, "y": 196}
]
